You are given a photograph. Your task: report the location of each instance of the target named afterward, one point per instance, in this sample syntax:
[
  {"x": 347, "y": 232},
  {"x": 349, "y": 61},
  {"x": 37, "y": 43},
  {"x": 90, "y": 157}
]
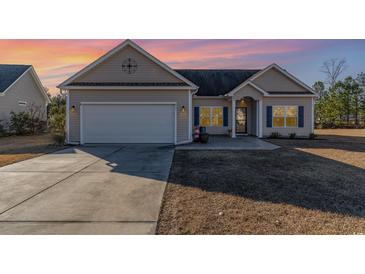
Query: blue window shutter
[
  {"x": 196, "y": 116},
  {"x": 269, "y": 116},
  {"x": 225, "y": 116},
  {"x": 301, "y": 116}
]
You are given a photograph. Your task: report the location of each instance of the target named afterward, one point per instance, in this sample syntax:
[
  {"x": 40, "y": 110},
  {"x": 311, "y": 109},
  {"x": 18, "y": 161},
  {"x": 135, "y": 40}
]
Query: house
[
  {"x": 20, "y": 89},
  {"x": 128, "y": 96}
]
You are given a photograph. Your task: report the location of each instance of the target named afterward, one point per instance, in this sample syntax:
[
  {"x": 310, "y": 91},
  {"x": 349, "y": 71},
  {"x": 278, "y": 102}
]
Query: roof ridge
[{"x": 221, "y": 69}]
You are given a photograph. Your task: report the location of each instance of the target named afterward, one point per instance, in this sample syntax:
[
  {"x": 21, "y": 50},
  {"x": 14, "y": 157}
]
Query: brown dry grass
[
  {"x": 19, "y": 148},
  {"x": 305, "y": 187}
]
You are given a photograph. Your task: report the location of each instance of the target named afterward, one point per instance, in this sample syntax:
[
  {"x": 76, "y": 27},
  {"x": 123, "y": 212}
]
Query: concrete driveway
[{"x": 86, "y": 190}]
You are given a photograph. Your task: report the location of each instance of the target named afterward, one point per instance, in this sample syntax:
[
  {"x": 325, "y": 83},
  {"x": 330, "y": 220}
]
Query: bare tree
[{"x": 333, "y": 68}]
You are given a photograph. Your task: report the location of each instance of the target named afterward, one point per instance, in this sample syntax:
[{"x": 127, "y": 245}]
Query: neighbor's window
[
  {"x": 285, "y": 116},
  {"x": 211, "y": 116}
]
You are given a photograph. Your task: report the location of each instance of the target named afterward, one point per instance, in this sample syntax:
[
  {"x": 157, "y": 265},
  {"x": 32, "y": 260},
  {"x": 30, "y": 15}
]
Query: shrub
[
  {"x": 59, "y": 138},
  {"x": 312, "y": 136},
  {"x": 292, "y": 135},
  {"x": 274, "y": 135},
  {"x": 30, "y": 121},
  {"x": 2, "y": 129},
  {"x": 19, "y": 122},
  {"x": 57, "y": 119},
  {"x": 36, "y": 123}
]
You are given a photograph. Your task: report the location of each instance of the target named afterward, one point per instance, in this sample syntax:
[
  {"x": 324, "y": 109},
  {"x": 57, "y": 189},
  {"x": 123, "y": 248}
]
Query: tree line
[{"x": 340, "y": 103}]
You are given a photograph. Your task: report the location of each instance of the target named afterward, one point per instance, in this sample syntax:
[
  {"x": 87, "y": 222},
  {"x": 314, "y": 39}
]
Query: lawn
[
  {"x": 18, "y": 148},
  {"x": 305, "y": 187}
]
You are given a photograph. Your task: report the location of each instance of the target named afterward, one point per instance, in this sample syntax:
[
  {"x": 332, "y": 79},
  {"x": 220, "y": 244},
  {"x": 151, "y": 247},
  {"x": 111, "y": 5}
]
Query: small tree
[
  {"x": 360, "y": 79},
  {"x": 57, "y": 115},
  {"x": 319, "y": 88},
  {"x": 349, "y": 92},
  {"x": 333, "y": 68}
]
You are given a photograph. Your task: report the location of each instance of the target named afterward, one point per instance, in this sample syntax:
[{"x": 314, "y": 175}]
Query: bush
[
  {"x": 59, "y": 138},
  {"x": 30, "y": 121},
  {"x": 292, "y": 135},
  {"x": 274, "y": 135},
  {"x": 57, "y": 120},
  {"x": 312, "y": 136},
  {"x": 19, "y": 122},
  {"x": 2, "y": 129}
]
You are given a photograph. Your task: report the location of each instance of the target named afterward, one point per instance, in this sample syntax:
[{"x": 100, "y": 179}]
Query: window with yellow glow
[
  {"x": 285, "y": 116},
  {"x": 211, "y": 116},
  {"x": 291, "y": 116},
  {"x": 204, "y": 117},
  {"x": 217, "y": 117}
]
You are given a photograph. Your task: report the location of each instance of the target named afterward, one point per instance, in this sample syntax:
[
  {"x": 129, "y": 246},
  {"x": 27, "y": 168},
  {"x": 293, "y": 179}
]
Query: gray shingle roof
[
  {"x": 116, "y": 84},
  {"x": 9, "y": 74},
  {"x": 289, "y": 92},
  {"x": 214, "y": 82}
]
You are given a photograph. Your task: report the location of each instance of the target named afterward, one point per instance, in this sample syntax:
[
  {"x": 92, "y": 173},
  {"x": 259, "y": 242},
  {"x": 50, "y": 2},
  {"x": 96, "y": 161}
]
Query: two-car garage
[{"x": 127, "y": 123}]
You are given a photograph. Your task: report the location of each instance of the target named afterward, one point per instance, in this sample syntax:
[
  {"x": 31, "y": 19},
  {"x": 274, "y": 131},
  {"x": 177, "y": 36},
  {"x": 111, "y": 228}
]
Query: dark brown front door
[{"x": 241, "y": 120}]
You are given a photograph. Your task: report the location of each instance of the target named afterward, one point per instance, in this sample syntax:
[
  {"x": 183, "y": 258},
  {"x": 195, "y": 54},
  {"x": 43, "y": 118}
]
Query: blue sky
[{"x": 56, "y": 60}]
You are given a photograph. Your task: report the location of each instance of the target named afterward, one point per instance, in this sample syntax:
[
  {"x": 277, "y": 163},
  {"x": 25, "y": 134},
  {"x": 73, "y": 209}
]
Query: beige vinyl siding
[
  {"x": 287, "y": 101},
  {"x": 181, "y": 97},
  {"x": 222, "y": 102},
  {"x": 248, "y": 91},
  {"x": 110, "y": 70},
  {"x": 275, "y": 81},
  {"x": 25, "y": 89}
]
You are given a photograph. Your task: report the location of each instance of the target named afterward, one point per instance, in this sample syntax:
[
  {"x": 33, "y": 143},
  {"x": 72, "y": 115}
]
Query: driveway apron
[{"x": 113, "y": 189}]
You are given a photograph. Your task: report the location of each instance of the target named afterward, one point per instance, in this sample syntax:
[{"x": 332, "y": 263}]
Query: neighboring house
[
  {"x": 20, "y": 89},
  {"x": 128, "y": 96}
]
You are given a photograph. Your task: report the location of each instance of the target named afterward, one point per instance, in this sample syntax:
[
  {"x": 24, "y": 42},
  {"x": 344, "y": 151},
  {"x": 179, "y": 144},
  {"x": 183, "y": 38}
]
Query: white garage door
[{"x": 128, "y": 123}]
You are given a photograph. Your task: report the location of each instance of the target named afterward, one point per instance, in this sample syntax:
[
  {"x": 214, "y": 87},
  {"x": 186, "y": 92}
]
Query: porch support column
[
  {"x": 260, "y": 118},
  {"x": 233, "y": 118},
  {"x": 257, "y": 118}
]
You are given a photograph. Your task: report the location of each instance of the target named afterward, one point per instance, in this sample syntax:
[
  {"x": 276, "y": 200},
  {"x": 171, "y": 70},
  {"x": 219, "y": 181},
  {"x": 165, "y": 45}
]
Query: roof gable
[
  {"x": 9, "y": 74},
  {"x": 112, "y": 69},
  {"x": 216, "y": 82},
  {"x": 274, "y": 80}
]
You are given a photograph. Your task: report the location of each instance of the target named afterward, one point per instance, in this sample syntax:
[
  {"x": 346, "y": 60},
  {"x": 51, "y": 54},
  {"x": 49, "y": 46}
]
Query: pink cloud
[{"x": 56, "y": 60}]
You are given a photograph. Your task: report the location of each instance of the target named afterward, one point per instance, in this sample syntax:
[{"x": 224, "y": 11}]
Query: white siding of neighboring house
[{"x": 25, "y": 89}]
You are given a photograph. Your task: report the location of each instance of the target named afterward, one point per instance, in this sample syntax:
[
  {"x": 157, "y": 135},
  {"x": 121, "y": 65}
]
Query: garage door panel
[{"x": 122, "y": 123}]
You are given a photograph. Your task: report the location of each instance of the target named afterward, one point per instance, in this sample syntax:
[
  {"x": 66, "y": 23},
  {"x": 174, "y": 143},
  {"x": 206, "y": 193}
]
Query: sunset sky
[{"x": 56, "y": 60}]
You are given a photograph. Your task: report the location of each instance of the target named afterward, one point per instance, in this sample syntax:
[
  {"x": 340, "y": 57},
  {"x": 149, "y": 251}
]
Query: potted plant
[{"x": 204, "y": 137}]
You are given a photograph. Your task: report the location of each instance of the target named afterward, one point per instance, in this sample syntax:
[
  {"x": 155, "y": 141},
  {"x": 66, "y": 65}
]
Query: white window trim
[
  {"x": 285, "y": 109},
  {"x": 22, "y": 103},
  {"x": 211, "y": 115}
]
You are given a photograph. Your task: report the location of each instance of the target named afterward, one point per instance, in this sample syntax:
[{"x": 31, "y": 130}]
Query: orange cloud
[{"x": 56, "y": 60}]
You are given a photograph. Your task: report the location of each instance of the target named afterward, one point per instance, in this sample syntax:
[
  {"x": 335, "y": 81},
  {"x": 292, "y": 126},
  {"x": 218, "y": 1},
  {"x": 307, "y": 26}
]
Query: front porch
[
  {"x": 246, "y": 117},
  {"x": 218, "y": 142}
]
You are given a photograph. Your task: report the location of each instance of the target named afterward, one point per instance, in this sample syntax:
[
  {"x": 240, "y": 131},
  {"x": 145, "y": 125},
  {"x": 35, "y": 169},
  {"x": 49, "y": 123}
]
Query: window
[
  {"x": 22, "y": 103},
  {"x": 211, "y": 116},
  {"x": 204, "y": 116},
  {"x": 285, "y": 116},
  {"x": 217, "y": 117}
]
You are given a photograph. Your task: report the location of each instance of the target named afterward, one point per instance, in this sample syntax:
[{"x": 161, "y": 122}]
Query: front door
[{"x": 241, "y": 120}]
